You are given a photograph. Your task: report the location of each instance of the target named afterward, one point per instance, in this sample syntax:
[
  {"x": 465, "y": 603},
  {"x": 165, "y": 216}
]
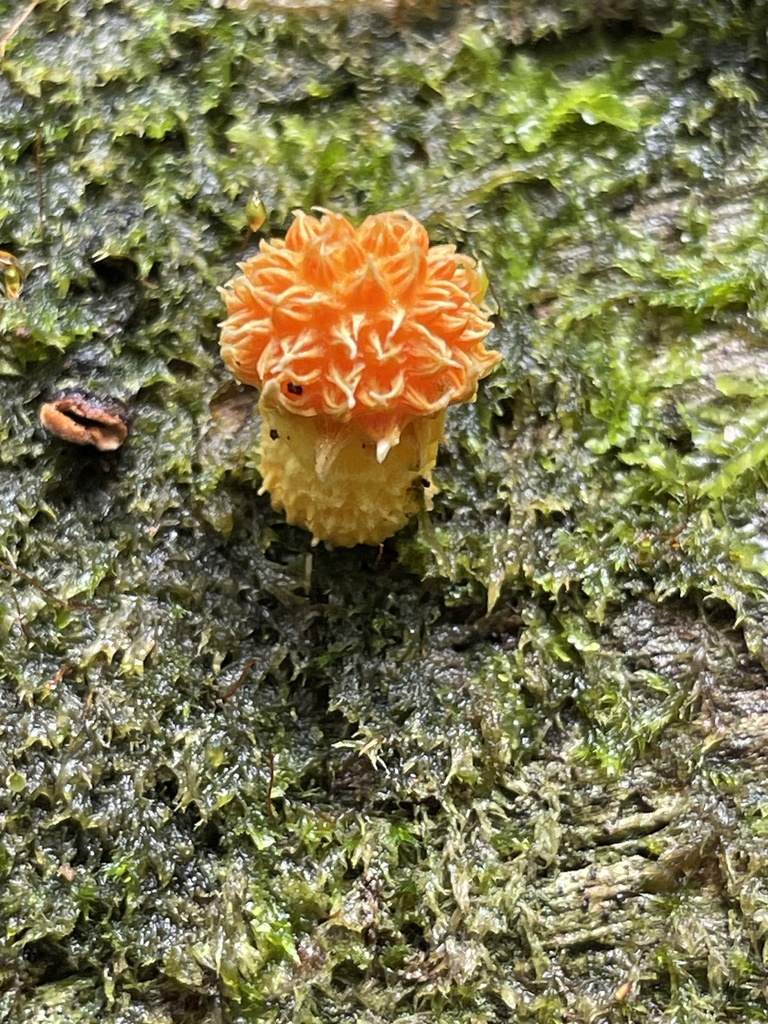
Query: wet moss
[{"x": 509, "y": 766}]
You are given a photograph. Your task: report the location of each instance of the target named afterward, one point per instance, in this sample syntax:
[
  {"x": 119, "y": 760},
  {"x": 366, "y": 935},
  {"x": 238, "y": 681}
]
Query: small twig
[
  {"x": 53, "y": 683},
  {"x": 238, "y": 682},
  {"x": 20, "y": 618},
  {"x": 43, "y": 590},
  {"x": 31, "y": 579},
  {"x": 40, "y": 185},
  {"x": 271, "y": 786},
  {"x": 15, "y": 26}
]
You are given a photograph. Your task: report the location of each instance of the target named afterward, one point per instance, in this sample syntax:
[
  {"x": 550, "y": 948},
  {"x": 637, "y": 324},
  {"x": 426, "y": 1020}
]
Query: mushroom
[
  {"x": 358, "y": 339},
  {"x": 81, "y": 418}
]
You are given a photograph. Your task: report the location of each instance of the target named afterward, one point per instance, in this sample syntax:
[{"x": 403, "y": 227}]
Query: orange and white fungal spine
[{"x": 358, "y": 339}]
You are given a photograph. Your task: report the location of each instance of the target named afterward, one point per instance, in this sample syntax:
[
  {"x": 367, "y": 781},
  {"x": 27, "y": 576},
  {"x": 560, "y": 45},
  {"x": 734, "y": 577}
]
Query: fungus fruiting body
[
  {"x": 358, "y": 339},
  {"x": 81, "y": 418}
]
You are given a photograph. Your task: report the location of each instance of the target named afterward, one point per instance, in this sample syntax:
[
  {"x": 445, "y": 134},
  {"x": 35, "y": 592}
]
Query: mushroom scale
[{"x": 358, "y": 339}]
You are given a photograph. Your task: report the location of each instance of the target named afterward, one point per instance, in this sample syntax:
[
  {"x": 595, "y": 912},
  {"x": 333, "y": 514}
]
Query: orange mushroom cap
[{"x": 358, "y": 323}]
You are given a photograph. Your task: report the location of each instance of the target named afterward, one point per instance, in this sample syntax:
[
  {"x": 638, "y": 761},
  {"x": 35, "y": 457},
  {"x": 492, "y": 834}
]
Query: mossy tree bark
[{"x": 512, "y": 765}]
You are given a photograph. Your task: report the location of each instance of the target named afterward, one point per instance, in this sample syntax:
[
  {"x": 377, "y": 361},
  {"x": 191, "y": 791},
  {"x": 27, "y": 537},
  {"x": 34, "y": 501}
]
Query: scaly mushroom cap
[{"x": 367, "y": 323}]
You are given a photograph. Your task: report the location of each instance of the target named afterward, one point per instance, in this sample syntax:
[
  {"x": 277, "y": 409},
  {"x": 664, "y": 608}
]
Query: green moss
[{"x": 506, "y": 767}]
